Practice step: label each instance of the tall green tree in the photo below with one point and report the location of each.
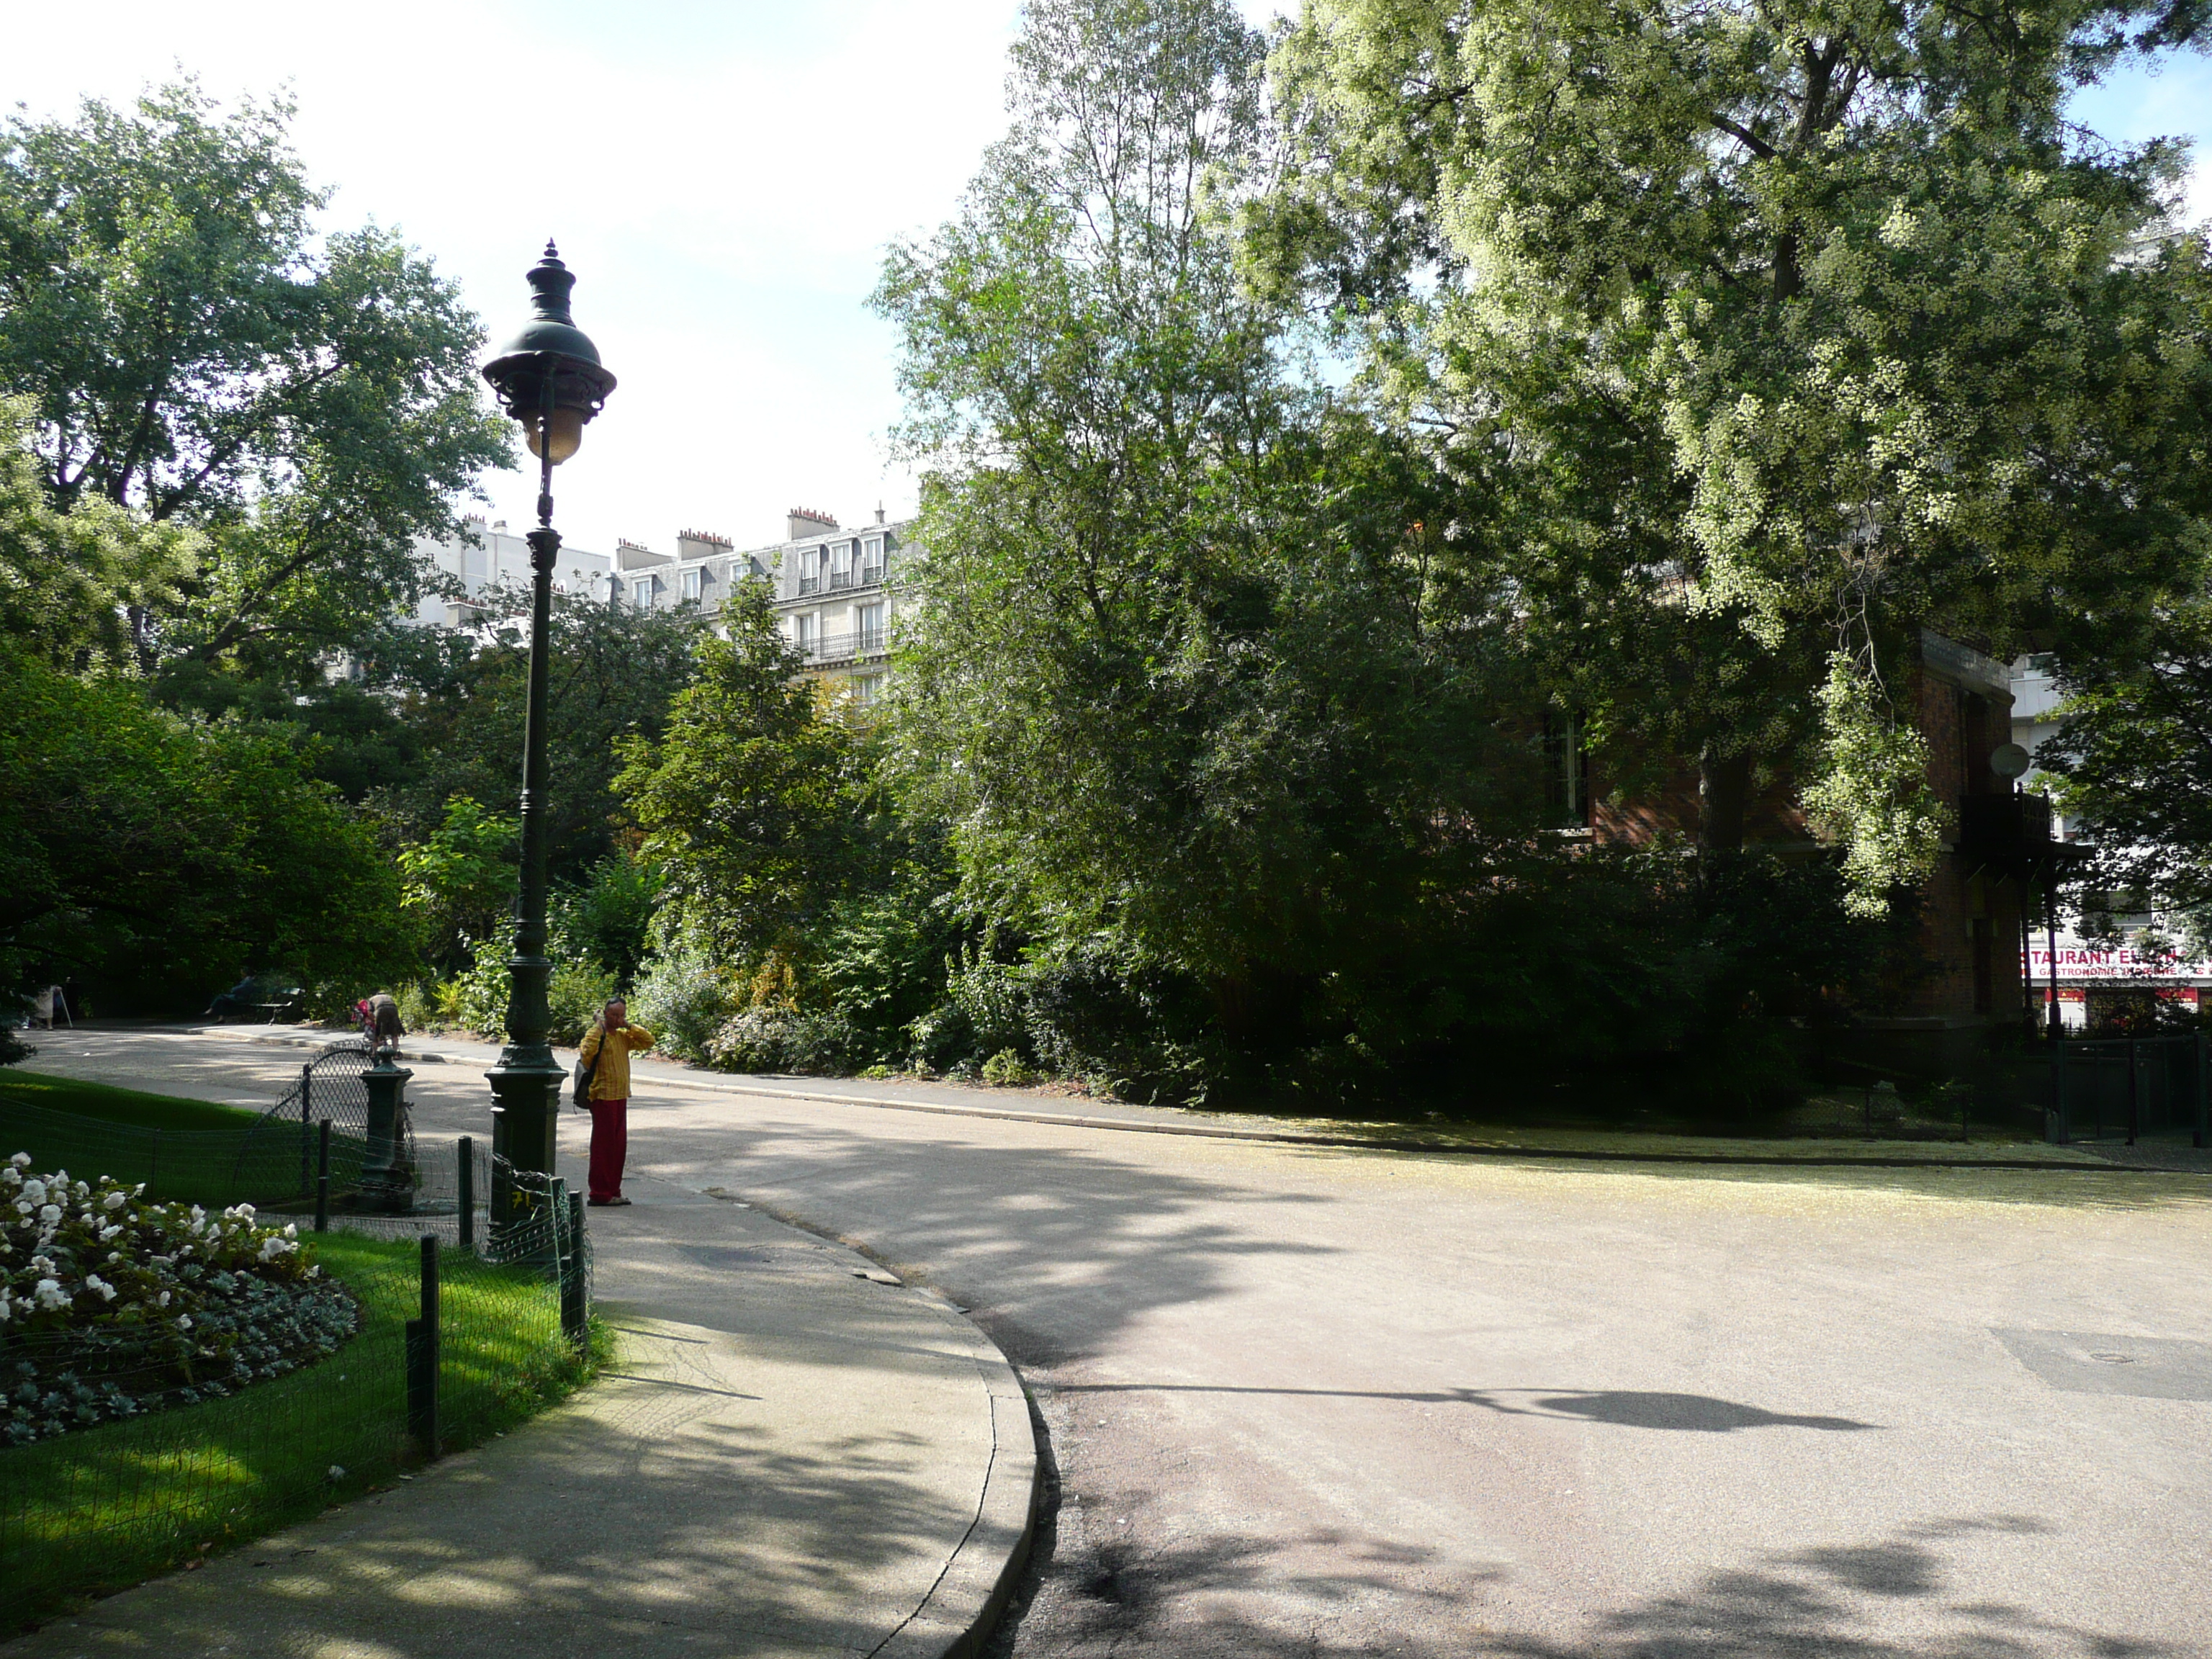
(153, 858)
(194, 352)
(457, 705)
(756, 802)
(1757, 338)
(1171, 672)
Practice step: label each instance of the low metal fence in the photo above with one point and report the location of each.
(2128, 1088)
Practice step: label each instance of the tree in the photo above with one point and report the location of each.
(67, 578)
(193, 352)
(460, 704)
(155, 859)
(2133, 755)
(754, 803)
(463, 877)
(1757, 338)
(1170, 674)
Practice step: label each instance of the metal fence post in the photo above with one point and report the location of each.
(323, 1176)
(422, 1357)
(2200, 1126)
(465, 1170)
(2061, 1128)
(2135, 1088)
(575, 1290)
(306, 1127)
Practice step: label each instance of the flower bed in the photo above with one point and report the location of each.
(111, 1306)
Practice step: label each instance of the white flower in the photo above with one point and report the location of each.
(94, 1282)
(50, 1213)
(337, 1474)
(115, 1200)
(48, 1292)
(20, 1161)
(80, 1190)
(183, 1322)
(161, 1301)
(35, 1191)
(107, 1233)
(24, 1206)
(272, 1247)
(291, 1231)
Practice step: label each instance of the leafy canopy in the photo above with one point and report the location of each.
(1757, 336)
(192, 350)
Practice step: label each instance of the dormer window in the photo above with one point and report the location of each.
(691, 583)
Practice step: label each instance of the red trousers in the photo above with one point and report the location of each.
(609, 1147)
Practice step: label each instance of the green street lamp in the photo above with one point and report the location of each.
(548, 377)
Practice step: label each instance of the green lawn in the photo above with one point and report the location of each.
(181, 1149)
(113, 1105)
(95, 1511)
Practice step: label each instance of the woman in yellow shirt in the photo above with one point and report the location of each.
(606, 1050)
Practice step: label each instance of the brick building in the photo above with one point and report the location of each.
(1987, 885)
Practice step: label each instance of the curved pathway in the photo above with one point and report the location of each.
(1314, 1402)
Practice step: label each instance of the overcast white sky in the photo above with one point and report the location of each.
(721, 174)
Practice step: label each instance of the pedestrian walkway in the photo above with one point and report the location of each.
(792, 1455)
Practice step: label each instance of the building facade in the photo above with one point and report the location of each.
(489, 557)
(1976, 906)
(831, 589)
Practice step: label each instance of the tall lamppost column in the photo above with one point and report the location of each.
(550, 379)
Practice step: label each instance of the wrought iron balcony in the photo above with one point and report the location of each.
(809, 585)
(844, 647)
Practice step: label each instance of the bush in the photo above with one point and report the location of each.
(1007, 1069)
(477, 996)
(419, 1007)
(683, 998)
(579, 990)
(772, 1039)
(608, 916)
(110, 1305)
(477, 999)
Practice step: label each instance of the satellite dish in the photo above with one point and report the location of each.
(2008, 759)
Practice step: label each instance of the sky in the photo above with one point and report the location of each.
(723, 176)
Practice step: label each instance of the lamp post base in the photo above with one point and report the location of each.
(387, 1185)
(526, 1088)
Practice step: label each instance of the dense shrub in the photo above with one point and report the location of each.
(683, 998)
(775, 1039)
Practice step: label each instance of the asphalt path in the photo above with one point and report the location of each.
(1329, 1402)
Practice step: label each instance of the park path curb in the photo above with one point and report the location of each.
(963, 1608)
(1346, 1143)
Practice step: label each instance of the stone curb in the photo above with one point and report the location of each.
(963, 1608)
(1352, 1143)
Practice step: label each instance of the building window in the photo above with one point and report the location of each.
(871, 619)
(872, 560)
(640, 592)
(841, 565)
(867, 687)
(691, 583)
(1566, 770)
(805, 636)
